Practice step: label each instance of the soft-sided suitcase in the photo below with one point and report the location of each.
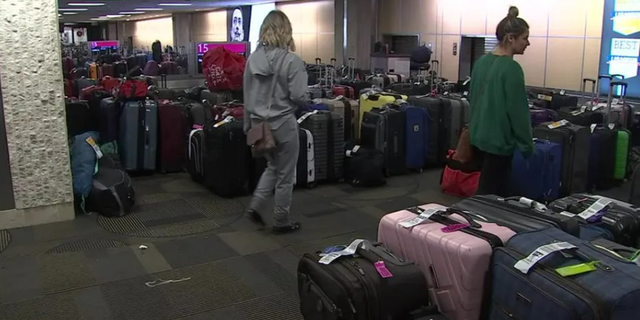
(327, 129)
(364, 167)
(579, 116)
(602, 155)
(370, 101)
(527, 291)
(519, 215)
(138, 139)
(538, 177)
(622, 154)
(110, 110)
(107, 70)
(345, 91)
(416, 136)
(306, 171)
(383, 130)
(215, 98)
(82, 83)
(620, 226)
(373, 284)
(454, 262)
(171, 139)
(225, 159)
(439, 132)
(410, 89)
(195, 155)
(112, 193)
(541, 115)
(575, 141)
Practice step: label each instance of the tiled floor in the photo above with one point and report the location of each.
(223, 267)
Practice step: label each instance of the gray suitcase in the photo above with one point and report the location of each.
(439, 123)
(327, 129)
(138, 139)
(460, 114)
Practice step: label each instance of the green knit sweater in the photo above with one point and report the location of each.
(500, 119)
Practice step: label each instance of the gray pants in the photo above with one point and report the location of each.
(280, 173)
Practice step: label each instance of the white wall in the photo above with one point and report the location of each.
(146, 32)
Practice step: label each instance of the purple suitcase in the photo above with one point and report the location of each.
(541, 115)
(454, 263)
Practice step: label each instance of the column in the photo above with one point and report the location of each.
(34, 113)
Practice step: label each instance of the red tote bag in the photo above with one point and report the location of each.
(223, 69)
(458, 180)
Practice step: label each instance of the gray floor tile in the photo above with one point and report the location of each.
(91, 304)
(251, 275)
(19, 279)
(114, 264)
(248, 242)
(194, 250)
(52, 307)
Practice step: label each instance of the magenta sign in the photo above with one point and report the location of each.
(239, 48)
(102, 44)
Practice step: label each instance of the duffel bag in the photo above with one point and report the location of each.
(364, 167)
(112, 193)
(133, 89)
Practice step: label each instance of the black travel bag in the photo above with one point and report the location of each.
(350, 287)
(364, 167)
(225, 159)
(439, 131)
(112, 193)
(383, 129)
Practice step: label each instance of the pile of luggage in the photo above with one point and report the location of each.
(484, 258)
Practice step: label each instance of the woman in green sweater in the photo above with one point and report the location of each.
(500, 120)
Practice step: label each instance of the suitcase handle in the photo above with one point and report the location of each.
(465, 215)
(374, 253)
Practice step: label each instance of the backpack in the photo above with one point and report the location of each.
(364, 167)
(112, 193)
(223, 69)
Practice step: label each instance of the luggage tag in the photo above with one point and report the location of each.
(423, 215)
(611, 126)
(527, 263)
(95, 147)
(535, 205)
(577, 269)
(382, 269)
(593, 127)
(545, 97)
(306, 115)
(454, 227)
(349, 153)
(558, 124)
(223, 122)
(577, 112)
(349, 251)
(595, 211)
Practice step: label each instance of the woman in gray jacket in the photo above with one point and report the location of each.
(274, 58)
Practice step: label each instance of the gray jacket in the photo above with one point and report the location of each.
(290, 90)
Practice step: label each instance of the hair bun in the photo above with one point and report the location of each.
(513, 12)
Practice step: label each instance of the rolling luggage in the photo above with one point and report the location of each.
(107, 70)
(575, 141)
(79, 118)
(171, 139)
(519, 215)
(620, 226)
(529, 274)
(138, 139)
(195, 155)
(344, 91)
(383, 129)
(370, 101)
(602, 155)
(453, 261)
(622, 155)
(94, 73)
(169, 67)
(216, 98)
(327, 129)
(410, 89)
(83, 83)
(540, 116)
(225, 159)
(373, 284)
(120, 69)
(306, 171)
(110, 110)
(439, 131)
(349, 110)
(538, 177)
(416, 136)
(364, 167)
(151, 68)
(460, 115)
(112, 193)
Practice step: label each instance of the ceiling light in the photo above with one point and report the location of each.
(131, 12)
(148, 9)
(115, 16)
(174, 4)
(85, 4)
(69, 13)
(73, 9)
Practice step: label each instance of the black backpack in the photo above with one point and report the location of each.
(112, 193)
(364, 167)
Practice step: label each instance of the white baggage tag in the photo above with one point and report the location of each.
(558, 124)
(615, 101)
(223, 122)
(545, 97)
(533, 204)
(577, 112)
(306, 115)
(527, 263)
(612, 125)
(348, 251)
(584, 108)
(340, 97)
(593, 127)
(424, 216)
(95, 147)
(595, 208)
(567, 214)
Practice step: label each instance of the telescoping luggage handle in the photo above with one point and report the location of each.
(623, 97)
(593, 90)
(352, 68)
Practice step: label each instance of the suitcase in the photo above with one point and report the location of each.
(538, 177)
(169, 67)
(110, 83)
(171, 139)
(439, 133)
(619, 226)
(107, 70)
(602, 155)
(364, 167)
(416, 136)
(79, 118)
(110, 110)
(151, 68)
(352, 287)
(616, 204)
(460, 116)
(327, 129)
(344, 91)
(120, 69)
(610, 291)
(195, 155)
(68, 88)
(112, 193)
(216, 98)
(517, 215)
(622, 154)
(575, 141)
(84, 94)
(93, 71)
(383, 129)
(349, 110)
(319, 92)
(138, 139)
(83, 83)
(454, 263)
(579, 116)
(225, 159)
(370, 101)
(410, 89)
(540, 116)
(306, 171)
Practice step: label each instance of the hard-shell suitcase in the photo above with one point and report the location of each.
(83, 83)
(195, 155)
(107, 71)
(373, 284)
(93, 71)
(439, 132)
(225, 159)
(460, 116)
(619, 226)
(519, 215)
(306, 171)
(370, 101)
(615, 204)
(416, 136)
(327, 129)
(349, 110)
(383, 129)
(345, 91)
(575, 141)
(110, 110)
(538, 177)
(454, 262)
(602, 155)
(580, 117)
(120, 69)
(171, 139)
(531, 286)
(138, 139)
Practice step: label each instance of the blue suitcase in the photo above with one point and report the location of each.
(417, 136)
(538, 177)
(610, 292)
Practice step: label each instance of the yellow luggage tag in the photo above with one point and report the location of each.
(577, 269)
(558, 124)
(96, 149)
(223, 122)
(545, 97)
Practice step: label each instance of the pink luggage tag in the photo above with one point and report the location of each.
(198, 127)
(454, 227)
(382, 270)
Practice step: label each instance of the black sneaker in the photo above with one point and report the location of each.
(255, 218)
(291, 227)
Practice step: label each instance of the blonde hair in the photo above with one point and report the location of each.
(276, 31)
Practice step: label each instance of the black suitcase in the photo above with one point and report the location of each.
(582, 118)
(79, 118)
(109, 125)
(622, 227)
(327, 129)
(602, 158)
(576, 142)
(351, 288)
(509, 212)
(383, 129)
(225, 159)
(112, 193)
(195, 155)
(364, 167)
(439, 131)
(410, 89)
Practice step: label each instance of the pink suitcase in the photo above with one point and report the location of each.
(454, 263)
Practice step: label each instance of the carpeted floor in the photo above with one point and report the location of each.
(202, 260)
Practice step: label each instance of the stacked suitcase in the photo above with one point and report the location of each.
(327, 129)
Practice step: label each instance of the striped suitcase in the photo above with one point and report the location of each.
(327, 129)
(349, 109)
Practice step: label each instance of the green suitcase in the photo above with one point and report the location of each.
(622, 152)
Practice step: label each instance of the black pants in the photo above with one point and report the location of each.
(496, 173)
